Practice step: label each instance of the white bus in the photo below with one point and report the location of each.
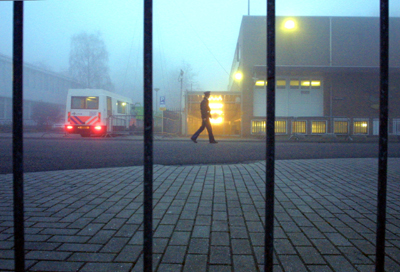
(96, 112)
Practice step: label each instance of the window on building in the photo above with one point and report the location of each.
(281, 84)
(294, 84)
(305, 84)
(85, 102)
(318, 127)
(280, 127)
(360, 127)
(258, 127)
(341, 127)
(299, 127)
(315, 84)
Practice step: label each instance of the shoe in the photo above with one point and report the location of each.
(193, 140)
(214, 142)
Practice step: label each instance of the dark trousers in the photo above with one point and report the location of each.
(205, 124)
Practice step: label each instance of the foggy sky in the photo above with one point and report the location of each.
(202, 34)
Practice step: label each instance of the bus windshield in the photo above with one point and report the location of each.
(85, 102)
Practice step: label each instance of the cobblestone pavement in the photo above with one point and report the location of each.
(206, 217)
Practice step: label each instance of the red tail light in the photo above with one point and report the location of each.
(97, 127)
(70, 127)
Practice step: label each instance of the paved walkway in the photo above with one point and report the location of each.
(206, 218)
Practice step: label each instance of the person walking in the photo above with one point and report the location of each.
(205, 122)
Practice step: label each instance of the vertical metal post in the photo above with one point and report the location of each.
(383, 135)
(18, 165)
(270, 156)
(148, 137)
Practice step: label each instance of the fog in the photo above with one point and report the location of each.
(196, 35)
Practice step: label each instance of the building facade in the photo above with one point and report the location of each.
(327, 75)
(39, 86)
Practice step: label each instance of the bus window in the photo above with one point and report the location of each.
(121, 107)
(83, 102)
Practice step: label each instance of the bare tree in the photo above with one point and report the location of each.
(88, 61)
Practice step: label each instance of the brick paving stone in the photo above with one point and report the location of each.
(199, 246)
(47, 255)
(292, 263)
(114, 245)
(106, 267)
(220, 255)
(340, 263)
(129, 254)
(174, 254)
(244, 263)
(220, 239)
(57, 266)
(196, 263)
(92, 257)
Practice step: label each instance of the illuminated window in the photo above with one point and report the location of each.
(294, 84)
(280, 127)
(305, 84)
(360, 127)
(258, 127)
(318, 127)
(299, 127)
(315, 84)
(260, 83)
(341, 127)
(281, 84)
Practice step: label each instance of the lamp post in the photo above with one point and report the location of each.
(156, 89)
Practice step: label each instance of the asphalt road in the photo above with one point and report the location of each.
(47, 154)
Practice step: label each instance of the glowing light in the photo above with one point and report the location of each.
(305, 83)
(289, 24)
(70, 127)
(219, 112)
(238, 76)
(216, 105)
(315, 83)
(97, 127)
(260, 83)
(123, 104)
(364, 125)
(215, 98)
(217, 120)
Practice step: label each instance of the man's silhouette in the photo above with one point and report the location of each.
(205, 123)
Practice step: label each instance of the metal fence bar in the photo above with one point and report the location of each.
(270, 141)
(148, 137)
(383, 135)
(18, 166)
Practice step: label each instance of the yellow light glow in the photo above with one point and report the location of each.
(238, 76)
(260, 83)
(216, 105)
(294, 83)
(123, 104)
(305, 83)
(217, 120)
(315, 83)
(215, 98)
(281, 82)
(289, 24)
(219, 112)
(364, 125)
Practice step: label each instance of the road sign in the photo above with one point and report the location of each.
(162, 101)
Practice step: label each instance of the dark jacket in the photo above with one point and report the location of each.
(205, 109)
